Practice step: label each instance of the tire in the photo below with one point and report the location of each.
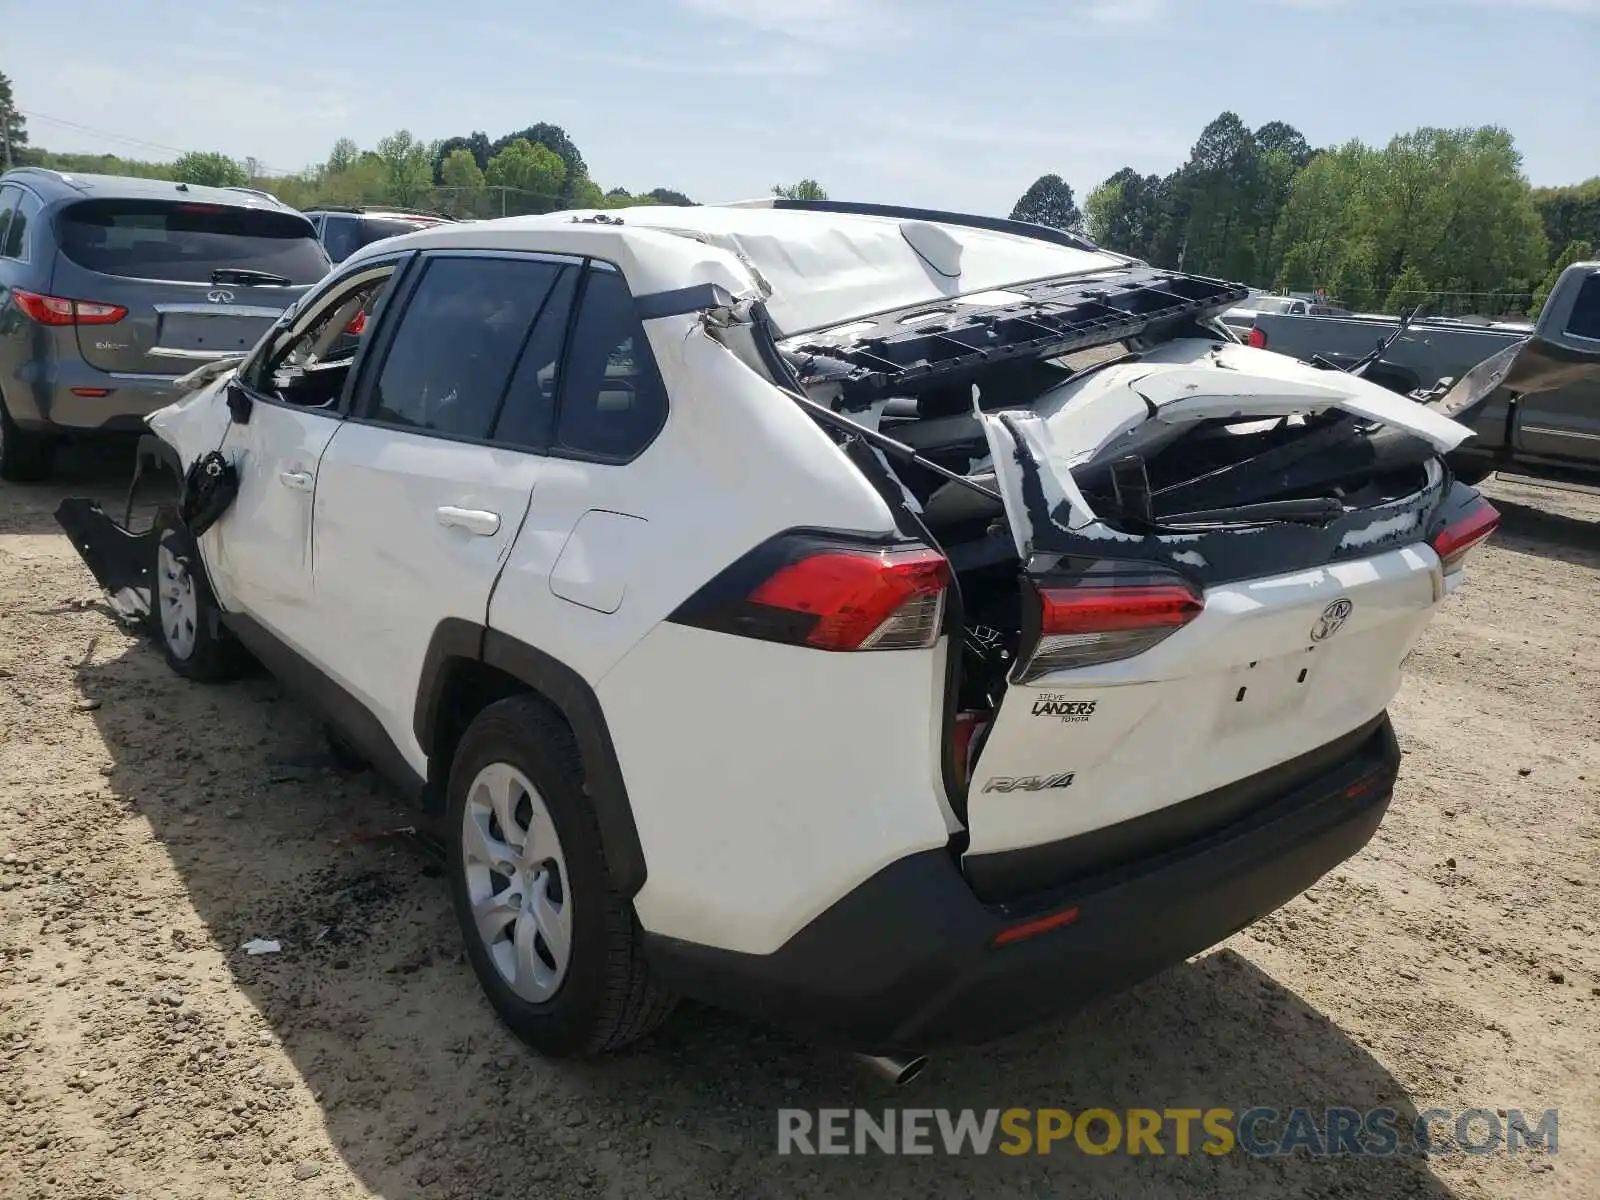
(519, 758)
(187, 616)
(24, 457)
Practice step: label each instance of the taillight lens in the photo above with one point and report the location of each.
(1083, 626)
(58, 310)
(809, 592)
(1460, 538)
(863, 600)
(357, 324)
(1257, 338)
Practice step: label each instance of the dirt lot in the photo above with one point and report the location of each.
(148, 828)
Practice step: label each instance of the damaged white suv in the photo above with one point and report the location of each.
(897, 626)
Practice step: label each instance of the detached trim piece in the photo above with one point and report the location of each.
(954, 342)
(681, 301)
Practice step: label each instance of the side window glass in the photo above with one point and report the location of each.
(462, 332)
(529, 407)
(311, 368)
(8, 202)
(340, 237)
(15, 242)
(613, 402)
(1585, 319)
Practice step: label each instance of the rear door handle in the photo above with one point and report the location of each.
(300, 481)
(473, 520)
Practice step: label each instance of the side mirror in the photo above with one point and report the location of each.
(239, 403)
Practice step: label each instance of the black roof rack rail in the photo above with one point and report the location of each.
(1058, 317)
(1027, 229)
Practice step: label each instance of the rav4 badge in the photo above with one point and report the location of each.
(1030, 783)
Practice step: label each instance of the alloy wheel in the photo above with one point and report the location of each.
(516, 876)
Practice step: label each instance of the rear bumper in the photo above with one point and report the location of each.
(907, 960)
(41, 400)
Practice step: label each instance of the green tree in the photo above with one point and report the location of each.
(806, 189)
(1049, 201)
(586, 193)
(476, 144)
(343, 156)
(1570, 214)
(1276, 135)
(1410, 290)
(667, 196)
(210, 170)
(1579, 251)
(528, 168)
(554, 139)
(13, 128)
(407, 167)
(460, 170)
(1124, 213)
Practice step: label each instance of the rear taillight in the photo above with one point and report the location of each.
(1257, 338)
(58, 310)
(806, 591)
(357, 324)
(1086, 625)
(1461, 537)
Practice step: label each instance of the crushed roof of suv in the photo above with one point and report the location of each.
(819, 267)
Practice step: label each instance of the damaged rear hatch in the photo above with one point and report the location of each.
(1198, 560)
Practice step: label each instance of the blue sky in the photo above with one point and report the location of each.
(900, 101)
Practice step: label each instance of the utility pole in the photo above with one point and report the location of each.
(5, 130)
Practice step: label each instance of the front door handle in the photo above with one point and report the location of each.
(300, 481)
(473, 520)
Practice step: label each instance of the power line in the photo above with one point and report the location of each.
(143, 143)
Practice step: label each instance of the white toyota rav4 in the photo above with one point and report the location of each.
(897, 626)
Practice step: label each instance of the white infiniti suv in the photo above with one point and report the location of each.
(897, 626)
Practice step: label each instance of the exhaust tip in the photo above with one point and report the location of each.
(896, 1071)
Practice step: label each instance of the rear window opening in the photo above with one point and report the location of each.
(184, 242)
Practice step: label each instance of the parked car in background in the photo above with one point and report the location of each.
(1241, 318)
(345, 230)
(1534, 406)
(111, 288)
(778, 621)
(1430, 349)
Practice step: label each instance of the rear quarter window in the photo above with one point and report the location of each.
(185, 243)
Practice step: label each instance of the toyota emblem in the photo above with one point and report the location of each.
(1332, 620)
(220, 296)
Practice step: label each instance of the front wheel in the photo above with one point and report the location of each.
(554, 946)
(193, 639)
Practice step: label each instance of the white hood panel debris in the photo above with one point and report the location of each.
(1132, 406)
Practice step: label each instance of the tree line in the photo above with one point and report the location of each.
(1442, 217)
(1439, 217)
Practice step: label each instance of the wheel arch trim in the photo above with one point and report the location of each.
(455, 640)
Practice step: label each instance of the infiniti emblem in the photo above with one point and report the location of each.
(1332, 620)
(220, 296)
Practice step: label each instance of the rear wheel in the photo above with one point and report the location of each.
(24, 457)
(554, 945)
(192, 636)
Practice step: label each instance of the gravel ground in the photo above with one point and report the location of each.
(149, 827)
